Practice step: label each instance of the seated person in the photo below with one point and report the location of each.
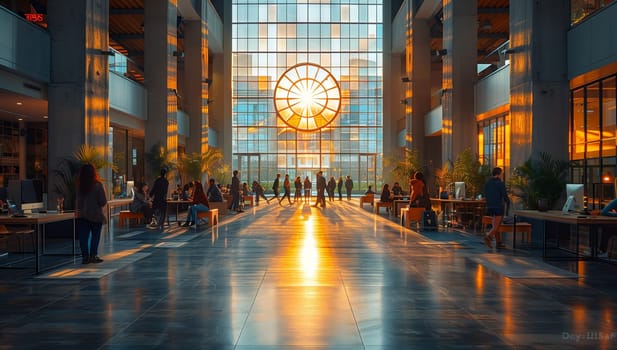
(370, 190)
(200, 204)
(386, 195)
(246, 190)
(608, 231)
(142, 202)
(397, 190)
(214, 192)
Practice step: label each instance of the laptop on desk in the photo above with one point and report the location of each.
(14, 211)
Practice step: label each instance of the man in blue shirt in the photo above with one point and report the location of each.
(496, 199)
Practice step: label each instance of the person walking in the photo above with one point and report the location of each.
(496, 199)
(298, 186)
(348, 186)
(321, 188)
(287, 189)
(276, 186)
(91, 199)
(158, 193)
(259, 192)
(339, 186)
(235, 193)
(308, 186)
(330, 187)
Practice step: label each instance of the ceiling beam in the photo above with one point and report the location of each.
(123, 36)
(492, 10)
(124, 11)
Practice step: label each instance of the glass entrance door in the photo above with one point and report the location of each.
(367, 166)
(249, 167)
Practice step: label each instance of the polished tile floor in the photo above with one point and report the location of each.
(300, 277)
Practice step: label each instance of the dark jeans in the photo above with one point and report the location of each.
(160, 213)
(88, 232)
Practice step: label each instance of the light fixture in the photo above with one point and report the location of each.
(438, 53)
(19, 103)
(607, 177)
(45, 117)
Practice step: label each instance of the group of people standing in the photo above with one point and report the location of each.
(305, 187)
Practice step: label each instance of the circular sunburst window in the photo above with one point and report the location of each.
(307, 97)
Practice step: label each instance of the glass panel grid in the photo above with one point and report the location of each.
(345, 38)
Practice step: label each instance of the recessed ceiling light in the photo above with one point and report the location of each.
(20, 118)
(19, 103)
(45, 117)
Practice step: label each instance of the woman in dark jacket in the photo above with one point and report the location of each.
(142, 202)
(90, 217)
(200, 204)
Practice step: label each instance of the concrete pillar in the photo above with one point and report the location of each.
(392, 110)
(538, 79)
(459, 75)
(161, 72)
(79, 89)
(225, 134)
(196, 84)
(420, 81)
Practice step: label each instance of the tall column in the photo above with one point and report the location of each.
(460, 24)
(538, 78)
(420, 80)
(392, 112)
(196, 84)
(161, 72)
(225, 134)
(79, 88)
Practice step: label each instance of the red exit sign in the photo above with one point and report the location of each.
(35, 17)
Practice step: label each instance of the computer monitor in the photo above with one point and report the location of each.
(130, 189)
(26, 194)
(459, 190)
(574, 198)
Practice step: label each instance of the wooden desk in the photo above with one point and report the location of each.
(111, 204)
(38, 221)
(473, 207)
(177, 203)
(593, 222)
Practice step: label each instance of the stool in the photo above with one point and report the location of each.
(368, 198)
(248, 198)
(212, 215)
(20, 234)
(127, 215)
(409, 215)
(380, 204)
(522, 227)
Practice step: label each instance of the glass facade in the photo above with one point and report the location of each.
(343, 37)
(593, 137)
(493, 142)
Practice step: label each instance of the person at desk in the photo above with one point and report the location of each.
(386, 196)
(397, 190)
(496, 199)
(608, 231)
(142, 203)
(91, 199)
(418, 193)
(214, 192)
(200, 204)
